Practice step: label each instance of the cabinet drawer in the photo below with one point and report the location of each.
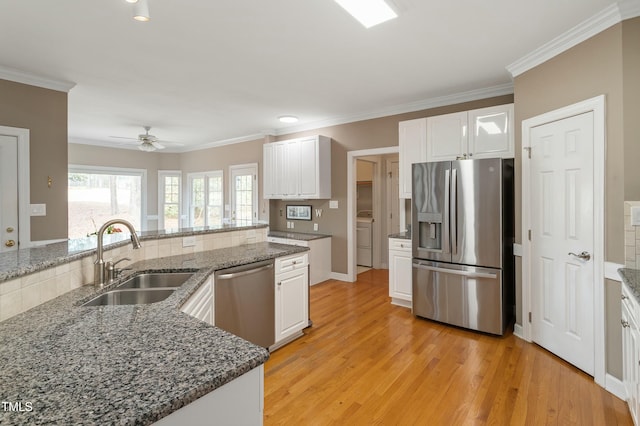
(400, 244)
(291, 263)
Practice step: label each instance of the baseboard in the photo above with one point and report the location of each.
(401, 302)
(517, 331)
(340, 277)
(615, 386)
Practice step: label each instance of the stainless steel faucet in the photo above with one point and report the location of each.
(99, 273)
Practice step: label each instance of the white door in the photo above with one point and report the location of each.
(8, 193)
(562, 240)
(244, 192)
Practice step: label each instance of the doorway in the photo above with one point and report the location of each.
(563, 234)
(378, 227)
(15, 223)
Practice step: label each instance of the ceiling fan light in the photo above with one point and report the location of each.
(147, 147)
(141, 11)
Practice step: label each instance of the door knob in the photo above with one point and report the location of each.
(9, 229)
(584, 255)
(10, 243)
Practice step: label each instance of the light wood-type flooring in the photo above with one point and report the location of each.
(367, 362)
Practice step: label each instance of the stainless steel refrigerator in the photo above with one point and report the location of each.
(462, 239)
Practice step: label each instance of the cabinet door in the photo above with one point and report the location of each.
(400, 275)
(290, 178)
(292, 313)
(269, 170)
(491, 132)
(308, 174)
(447, 136)
(412, 144)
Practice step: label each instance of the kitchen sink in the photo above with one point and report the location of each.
(137, 296)
(157, 280)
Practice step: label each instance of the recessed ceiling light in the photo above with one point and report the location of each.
(288, 118)
(131, 1)
(368, 12)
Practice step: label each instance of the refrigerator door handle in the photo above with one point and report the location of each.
(446, 219)
(456, 272)
(454, 211)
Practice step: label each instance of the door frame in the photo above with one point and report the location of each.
(352, 156)
(24, 178)
(597, 106)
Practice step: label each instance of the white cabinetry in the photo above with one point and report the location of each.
(201, 304)
(479, 133)
(319, 256)
(400, 273)
(292, 297)
(297, 168)
(412, 141)
(631, 351)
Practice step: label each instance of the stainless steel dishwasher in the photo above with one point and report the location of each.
(245, 302)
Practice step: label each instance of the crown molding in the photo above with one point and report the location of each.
(224, 142)
(456, 98)
(35, 80)
(613, 14)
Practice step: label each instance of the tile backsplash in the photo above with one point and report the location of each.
(631, 238)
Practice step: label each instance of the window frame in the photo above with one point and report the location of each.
(189, 206)
(162, 174)
(123, 171)
(255, 189)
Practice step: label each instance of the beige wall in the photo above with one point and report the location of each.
(152, 162)
(44, 113)
(367, 134)
(608, 64)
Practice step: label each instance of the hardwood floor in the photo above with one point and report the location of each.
(367, 362)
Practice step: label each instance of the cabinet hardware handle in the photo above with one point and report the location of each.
(279, 282)
(625, 324)
(10, 243)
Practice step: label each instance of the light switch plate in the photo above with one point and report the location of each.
(38, 209)
(635, 216)
(333, 204)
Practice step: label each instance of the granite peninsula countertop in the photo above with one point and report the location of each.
(29, 260)
(131, 364)
(631, 277)
(302, 236)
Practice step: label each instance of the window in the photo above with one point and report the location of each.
(244, 192)
(205, 199)
(99, 194)
(169, 199)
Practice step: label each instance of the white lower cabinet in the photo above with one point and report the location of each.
(292, 297)
(239, 402)
(631, 351)
(201, 304)
(319, 256)
(400, 273)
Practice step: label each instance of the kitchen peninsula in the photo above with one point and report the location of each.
(138, 364)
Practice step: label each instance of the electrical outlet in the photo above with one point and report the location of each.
(635, 216)
(315, 226)
(189, 241)
(293, 225)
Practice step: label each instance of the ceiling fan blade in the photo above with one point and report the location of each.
(123, 137)
(157, 145)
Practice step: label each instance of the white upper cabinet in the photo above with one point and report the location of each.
(298, 168)
(491, 132)
(479, 133)
(446, 136)
(412, 140)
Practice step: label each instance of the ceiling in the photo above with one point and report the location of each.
(205, 72)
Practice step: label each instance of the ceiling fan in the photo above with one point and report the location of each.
(148, 142)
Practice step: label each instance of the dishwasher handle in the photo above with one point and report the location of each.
(242, 271)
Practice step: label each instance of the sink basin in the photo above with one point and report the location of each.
(157, 280)
(137, 296)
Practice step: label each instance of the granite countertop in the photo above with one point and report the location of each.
(631, 277)
(25, 261)
(297, 235)
(401, 235)
(131, 364)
